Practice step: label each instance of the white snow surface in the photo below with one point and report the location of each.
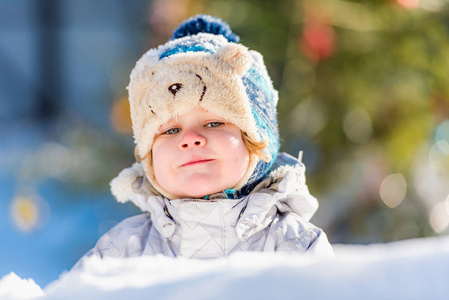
(412, 269)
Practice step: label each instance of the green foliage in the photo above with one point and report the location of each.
(363, 89)
(388, 68)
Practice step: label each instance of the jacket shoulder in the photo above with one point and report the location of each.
(126, 238)
(120, 241)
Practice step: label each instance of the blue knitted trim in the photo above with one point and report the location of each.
(261, 98)
(231, 193)
(184, 49)
(258, 80)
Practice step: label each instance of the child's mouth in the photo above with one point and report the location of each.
(195, 162)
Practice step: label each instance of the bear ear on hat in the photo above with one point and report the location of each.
(236, 56)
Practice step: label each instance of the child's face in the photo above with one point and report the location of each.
(198, 154)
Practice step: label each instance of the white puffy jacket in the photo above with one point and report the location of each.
(274, 217)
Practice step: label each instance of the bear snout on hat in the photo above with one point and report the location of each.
(176, 88)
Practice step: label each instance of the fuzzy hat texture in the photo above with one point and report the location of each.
(203, 66)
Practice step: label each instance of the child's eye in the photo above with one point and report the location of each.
(172, 131)
(213, 124)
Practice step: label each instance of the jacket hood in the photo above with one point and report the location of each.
(283, 190)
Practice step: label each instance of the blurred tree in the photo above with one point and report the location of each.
(363, 87)
(363, 92)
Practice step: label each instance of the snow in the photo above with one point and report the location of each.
(412, 269)
(13, 287)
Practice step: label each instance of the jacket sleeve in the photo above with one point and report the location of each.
(319, 246)
(296, 235)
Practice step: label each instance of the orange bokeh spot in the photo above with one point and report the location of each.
(121, 117)
(25, 213)
(317, 41)
(409, 3)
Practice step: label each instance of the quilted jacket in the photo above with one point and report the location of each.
(274, 217)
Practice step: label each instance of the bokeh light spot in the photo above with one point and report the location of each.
(308, 118)
(393, 190)
(439, 157)
(318, 40)
(409, 3)
(439, 216)
(433, 5)
(357, 126)
(24, 213)
(299, 76)
(442, 134)
(447, 203)
(120, 116)
(29, 212)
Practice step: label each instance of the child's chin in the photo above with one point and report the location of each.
(201, 185)
(201, 193)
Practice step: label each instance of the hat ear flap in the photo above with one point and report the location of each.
(236, 56)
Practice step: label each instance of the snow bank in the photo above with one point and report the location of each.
(414, 269)
(13, 287)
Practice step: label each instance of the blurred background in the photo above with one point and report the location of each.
(363, 88)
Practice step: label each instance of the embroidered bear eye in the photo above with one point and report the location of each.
(174, 88)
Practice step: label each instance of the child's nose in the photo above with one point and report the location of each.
(192, 139)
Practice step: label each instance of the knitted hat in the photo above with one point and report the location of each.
(202, 66)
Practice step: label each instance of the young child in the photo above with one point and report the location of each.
(209, 177)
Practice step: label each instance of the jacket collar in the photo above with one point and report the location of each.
(283, 190)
